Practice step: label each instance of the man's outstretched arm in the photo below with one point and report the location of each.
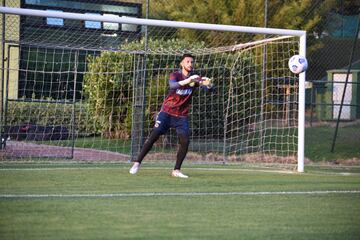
(175, 85)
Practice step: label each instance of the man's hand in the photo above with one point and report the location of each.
(207, 82)
(194, 78)
(190, 80)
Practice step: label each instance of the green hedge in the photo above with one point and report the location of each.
(50, 114)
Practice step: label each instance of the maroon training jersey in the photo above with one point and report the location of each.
(177, 102)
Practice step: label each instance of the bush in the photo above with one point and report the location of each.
(50, 114)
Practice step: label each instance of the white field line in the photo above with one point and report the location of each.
(170, 194)
(189, 168)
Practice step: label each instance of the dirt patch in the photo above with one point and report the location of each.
(332, 123)
(31, 150)
(348, 162)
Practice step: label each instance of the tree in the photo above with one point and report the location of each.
(289, 14)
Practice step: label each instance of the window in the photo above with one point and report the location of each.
(83, 5)
(110, 25)
(55, 21)
(110, 8)
(129, 27)
(93, 24)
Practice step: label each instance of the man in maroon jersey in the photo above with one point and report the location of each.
(174, 112)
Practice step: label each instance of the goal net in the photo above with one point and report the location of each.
(87, 87)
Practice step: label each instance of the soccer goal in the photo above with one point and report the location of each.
(88, 87)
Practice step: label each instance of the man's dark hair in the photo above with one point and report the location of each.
(186, 55)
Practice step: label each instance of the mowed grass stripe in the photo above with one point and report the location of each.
(170, 194)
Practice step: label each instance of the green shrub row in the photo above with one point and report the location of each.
(50, 113)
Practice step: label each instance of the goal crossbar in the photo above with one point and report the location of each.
(150, 22)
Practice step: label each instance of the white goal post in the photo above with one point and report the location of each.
(198, 26)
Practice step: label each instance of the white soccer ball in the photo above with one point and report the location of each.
(298, 64)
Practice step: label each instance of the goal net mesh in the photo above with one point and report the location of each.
(88, 90)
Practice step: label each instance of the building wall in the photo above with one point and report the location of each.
(11, 54)
(328, 92)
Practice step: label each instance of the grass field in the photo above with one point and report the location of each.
(318, 141)
(216, 202)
